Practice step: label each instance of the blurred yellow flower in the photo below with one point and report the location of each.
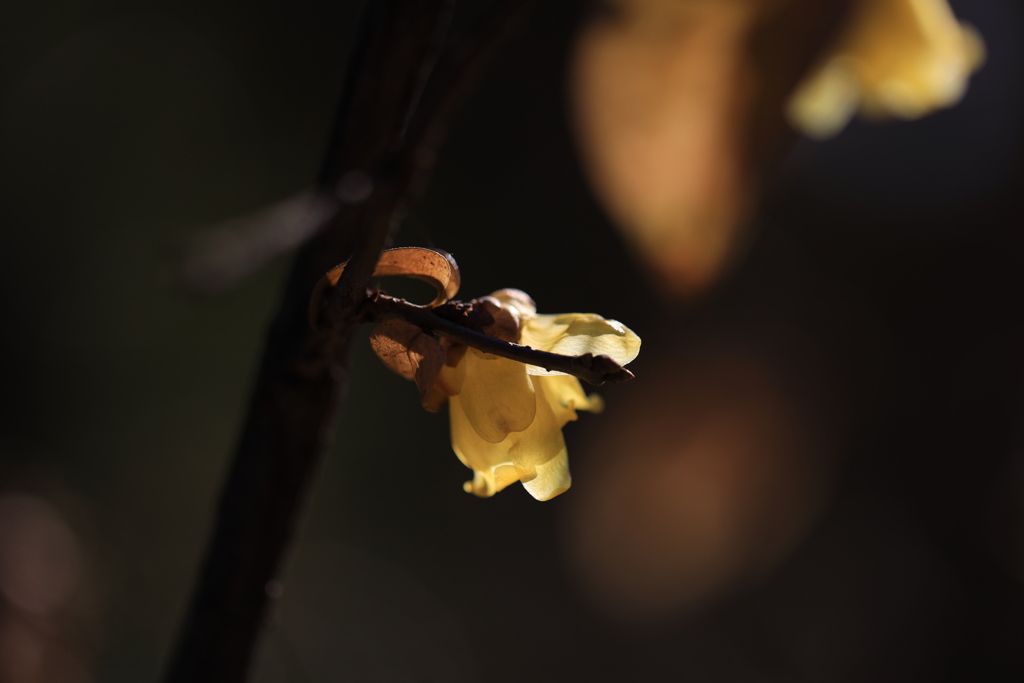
(507, 417)
(901, 58)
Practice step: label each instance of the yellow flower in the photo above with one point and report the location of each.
(902, 58)
(507, 417)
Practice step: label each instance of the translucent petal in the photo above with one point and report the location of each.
(450, 379)
(506, 425)
(539, 445)
(537, 455)
(574, 334)
(552, 478)
(496, 395)
(486, 485)
(490, 461)
(565, 395)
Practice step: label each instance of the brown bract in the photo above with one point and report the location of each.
(437, 268)
(406, 350)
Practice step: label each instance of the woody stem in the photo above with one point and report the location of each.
(596, 370)
(302, 377)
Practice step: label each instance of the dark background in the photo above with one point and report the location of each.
(880, 297)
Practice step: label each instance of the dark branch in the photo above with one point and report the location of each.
(593, 369)
(302, 378)
(386, 120)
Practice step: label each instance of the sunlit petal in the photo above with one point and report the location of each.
(551, 478)
(497, 396)
(565, 395)
(533, 450)
(490, 461)
(537, 455)
(574, 334)
(506, 417)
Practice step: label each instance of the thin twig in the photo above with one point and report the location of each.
(593, 369)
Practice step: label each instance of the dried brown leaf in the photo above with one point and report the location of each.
(411, 353)
(435, 267)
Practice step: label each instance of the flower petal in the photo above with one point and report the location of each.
(486, 485)
(497, 396)
(536, 452)
(565, 395)
(537, 455)
(551, 478)
(574, 334)
(490, 461)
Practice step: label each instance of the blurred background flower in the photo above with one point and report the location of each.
(904, 58)
(682, 106)
(679, 112)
